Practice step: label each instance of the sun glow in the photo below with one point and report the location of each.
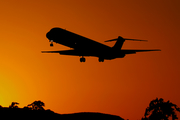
(8, 90)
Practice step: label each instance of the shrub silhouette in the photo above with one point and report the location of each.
(14, 105)
(160, 110)
(37, 105)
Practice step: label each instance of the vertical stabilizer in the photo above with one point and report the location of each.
(119, 43)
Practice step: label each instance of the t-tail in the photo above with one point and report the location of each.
(119, 42)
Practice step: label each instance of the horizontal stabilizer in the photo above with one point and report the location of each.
(121, 38)
(125, 39)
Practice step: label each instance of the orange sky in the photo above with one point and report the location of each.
(121, 87)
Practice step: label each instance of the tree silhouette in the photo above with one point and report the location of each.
(37, 105)
(14, 105)
(160, 110)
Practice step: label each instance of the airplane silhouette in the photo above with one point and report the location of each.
(83, 46)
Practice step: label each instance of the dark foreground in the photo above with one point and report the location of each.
(24, 114)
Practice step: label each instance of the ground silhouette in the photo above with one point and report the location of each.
(158, 110)
(36, 111)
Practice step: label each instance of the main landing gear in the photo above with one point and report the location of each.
(82, 59)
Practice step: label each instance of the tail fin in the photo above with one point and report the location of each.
(119, 43)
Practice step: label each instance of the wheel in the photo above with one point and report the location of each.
(51, 44)
(82, 59)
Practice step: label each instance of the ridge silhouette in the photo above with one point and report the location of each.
(158, 110)
(22, 113)
(36, 111)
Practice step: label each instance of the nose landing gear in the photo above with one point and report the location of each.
(82, 59)
(51, 43)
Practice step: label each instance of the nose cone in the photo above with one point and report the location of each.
(54, 33)
(49, 36)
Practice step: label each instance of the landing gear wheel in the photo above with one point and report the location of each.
(82, 59)
(51, 44)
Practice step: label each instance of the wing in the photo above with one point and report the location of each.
(73, 52)
(134, 51)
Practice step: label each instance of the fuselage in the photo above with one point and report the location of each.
(82, 45)
(72, 40)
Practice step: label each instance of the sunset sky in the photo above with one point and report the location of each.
(122, 87)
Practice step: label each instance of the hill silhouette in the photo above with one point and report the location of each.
(158, 110)
(36, 111)
(27, 114)
(90, 116)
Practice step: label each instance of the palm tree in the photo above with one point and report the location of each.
(37, 105)
(160, 110)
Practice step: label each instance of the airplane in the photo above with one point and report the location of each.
(85, 47)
